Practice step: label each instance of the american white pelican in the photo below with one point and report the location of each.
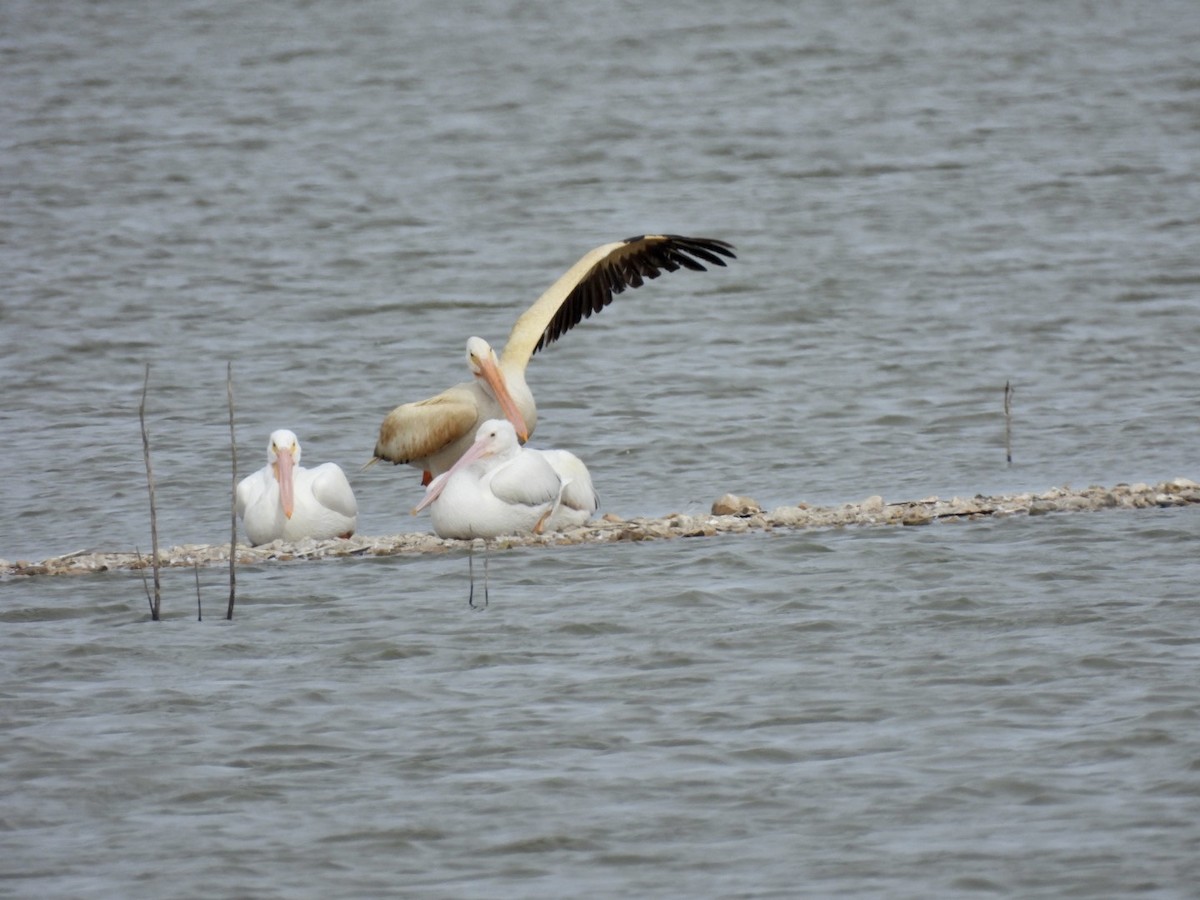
(431, 434)
(499, 487)
(285, 500)
(496, 487)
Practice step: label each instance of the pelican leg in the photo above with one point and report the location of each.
(471, 569)
(541, 522)
(485, 574)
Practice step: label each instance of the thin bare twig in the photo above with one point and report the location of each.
(156, 605)
(1008, 394)
(199, 609)
(233, 503)
(145, 583)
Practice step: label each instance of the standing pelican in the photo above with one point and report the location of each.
(499, 487)
(285, 500)
(431, 434)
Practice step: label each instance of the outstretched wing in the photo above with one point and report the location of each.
(590, 284)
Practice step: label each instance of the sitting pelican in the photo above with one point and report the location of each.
(285, 500)
(499, 487)
(431, 434)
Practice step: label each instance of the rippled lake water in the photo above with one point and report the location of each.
(927, 203)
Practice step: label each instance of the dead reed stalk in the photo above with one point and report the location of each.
(233, 502)
(1008, 394)
(156, 603)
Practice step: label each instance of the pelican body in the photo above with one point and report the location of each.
(499, 487)
(285, 500)
(432, 434)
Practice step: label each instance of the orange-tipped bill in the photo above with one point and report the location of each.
(495, 380)
(283, 474)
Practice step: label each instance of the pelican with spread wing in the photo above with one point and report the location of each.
(432, 434)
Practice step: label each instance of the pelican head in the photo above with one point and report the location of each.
(485, 366)
(283, 454)
(495, 437)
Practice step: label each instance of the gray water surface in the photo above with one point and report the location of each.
(926, 202)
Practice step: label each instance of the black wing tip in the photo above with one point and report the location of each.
(628, 270)
(709, 249)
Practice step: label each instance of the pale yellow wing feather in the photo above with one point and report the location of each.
(419, 430)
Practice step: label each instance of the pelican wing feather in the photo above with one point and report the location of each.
(590, 285)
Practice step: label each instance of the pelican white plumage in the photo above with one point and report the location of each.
(579, 499)
(285, 500)
(431, 434)
(499, 487)
(496, 487)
